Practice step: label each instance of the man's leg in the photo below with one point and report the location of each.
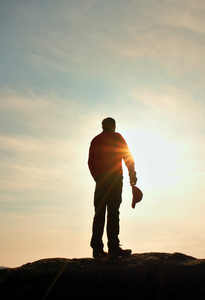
(113, 227)
(113, 230)
(99, 219)
(113, 205)
(98, 228)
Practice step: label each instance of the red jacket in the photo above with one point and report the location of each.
(106, 153)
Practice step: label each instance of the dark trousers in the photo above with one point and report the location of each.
(107, 197)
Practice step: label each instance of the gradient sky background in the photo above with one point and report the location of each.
(66, 65)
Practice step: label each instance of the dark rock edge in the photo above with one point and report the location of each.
(141, 276)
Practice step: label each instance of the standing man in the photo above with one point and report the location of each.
(105, 163)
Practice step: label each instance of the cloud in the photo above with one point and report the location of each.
(111, 42)
(48, 152)
(42, 115)
(31, 164)
(173, 105)
(188, 16)
(168, 35)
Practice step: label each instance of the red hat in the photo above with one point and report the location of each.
(137, 195)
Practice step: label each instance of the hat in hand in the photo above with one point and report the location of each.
(136, 195)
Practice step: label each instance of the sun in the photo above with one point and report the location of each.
(155, 157)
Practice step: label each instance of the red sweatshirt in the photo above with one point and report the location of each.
(106, 153)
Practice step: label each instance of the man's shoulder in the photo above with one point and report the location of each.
(97, 137)
(107, 135)
(118, 135)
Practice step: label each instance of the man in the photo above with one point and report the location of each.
(105, 163)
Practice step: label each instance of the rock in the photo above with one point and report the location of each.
(151, 276)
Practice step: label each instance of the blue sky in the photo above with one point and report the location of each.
(65, 65)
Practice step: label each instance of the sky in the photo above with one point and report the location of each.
(65, 66)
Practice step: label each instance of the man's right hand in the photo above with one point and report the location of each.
(133, 178)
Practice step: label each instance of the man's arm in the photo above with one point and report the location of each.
(129, 162)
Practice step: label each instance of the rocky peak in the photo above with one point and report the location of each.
(151, 276)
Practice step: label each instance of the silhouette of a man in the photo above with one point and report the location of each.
(105, 163)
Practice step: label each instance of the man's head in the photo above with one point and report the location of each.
(108, 124)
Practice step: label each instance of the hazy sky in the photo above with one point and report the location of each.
(65, 65)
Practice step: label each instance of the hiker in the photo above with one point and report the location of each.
(105, 163)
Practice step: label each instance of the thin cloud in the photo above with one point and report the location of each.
(91, 49)
(42, 115)
(172, 104)
(188, 16)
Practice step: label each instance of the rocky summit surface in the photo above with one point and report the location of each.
(151, 276)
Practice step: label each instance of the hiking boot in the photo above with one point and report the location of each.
(119, 252)
(99, 254)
